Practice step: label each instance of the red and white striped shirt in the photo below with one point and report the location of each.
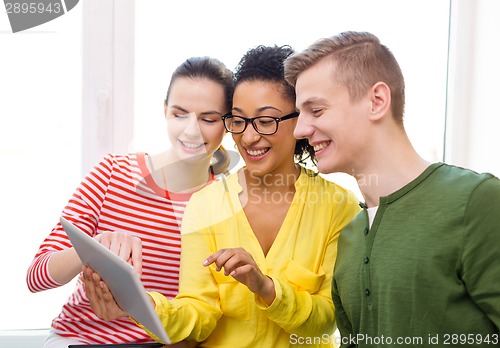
(118, 194)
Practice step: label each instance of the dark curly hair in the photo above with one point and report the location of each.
(265, 63)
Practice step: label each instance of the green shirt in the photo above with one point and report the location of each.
(427, 273)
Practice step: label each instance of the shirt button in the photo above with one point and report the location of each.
(366, 231)
(367, 259)
(367, 292)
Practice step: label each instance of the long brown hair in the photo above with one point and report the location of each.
(214, 70)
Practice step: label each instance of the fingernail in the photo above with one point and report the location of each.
(205, 262)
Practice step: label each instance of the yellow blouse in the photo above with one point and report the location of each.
(222, 312)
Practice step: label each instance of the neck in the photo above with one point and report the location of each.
(388, 167)
(282, 181)
(180, 176)
(273, 189)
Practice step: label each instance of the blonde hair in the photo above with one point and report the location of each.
(361, 61)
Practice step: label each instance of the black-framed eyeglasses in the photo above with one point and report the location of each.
(265, 125)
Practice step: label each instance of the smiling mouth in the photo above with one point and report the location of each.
(321, 146)
(192, 146)
(256, 153)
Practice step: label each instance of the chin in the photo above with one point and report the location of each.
(326, 168)
(191, 157)
(256, 172)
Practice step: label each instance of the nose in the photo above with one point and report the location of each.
(250, 135)
(303, 127)
(192, 130)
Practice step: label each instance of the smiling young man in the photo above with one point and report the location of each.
(419, 265)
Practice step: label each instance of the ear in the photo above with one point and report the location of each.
(165, 107)
(380, 97)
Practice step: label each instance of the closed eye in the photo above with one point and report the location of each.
(208, 120)
(317, 112)
(265, 122)
(237, 122)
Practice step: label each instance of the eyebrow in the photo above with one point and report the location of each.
(313, 100)
(261, 109)
(203, 113)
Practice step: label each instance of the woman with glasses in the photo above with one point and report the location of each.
(133, 204)
(258, 248)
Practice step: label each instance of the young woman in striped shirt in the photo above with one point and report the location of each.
(133, 204)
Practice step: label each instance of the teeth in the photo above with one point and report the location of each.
(257, 152)
(321, 146)
(191, 146)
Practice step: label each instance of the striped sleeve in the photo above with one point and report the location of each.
(83, 210)
(118, 194)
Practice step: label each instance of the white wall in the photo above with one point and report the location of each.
(473, 113)
(485, 130)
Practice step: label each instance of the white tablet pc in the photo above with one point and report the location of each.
(120, 277)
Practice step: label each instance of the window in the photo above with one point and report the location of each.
(45, 71)
(40, 152)
(169, 32)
